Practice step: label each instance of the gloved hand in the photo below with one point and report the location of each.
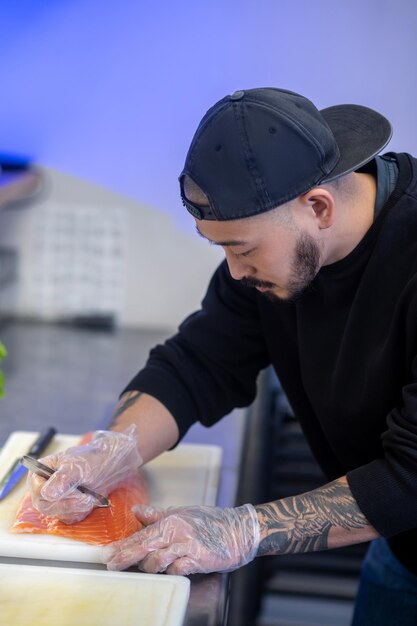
(100, 465)
(188, 540)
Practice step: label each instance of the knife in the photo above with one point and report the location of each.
(18, 470)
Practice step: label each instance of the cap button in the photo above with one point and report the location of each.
(238, 95)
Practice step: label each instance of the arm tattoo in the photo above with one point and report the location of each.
(127, 400)
(302, 523)
(215, 527)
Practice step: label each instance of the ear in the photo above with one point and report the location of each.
(322, 203)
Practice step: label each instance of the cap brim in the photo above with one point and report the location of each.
(361, 133)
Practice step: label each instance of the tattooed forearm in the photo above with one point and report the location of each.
(156, 429)
(126, 401)
(327, 517)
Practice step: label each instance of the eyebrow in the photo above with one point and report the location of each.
(229, 242)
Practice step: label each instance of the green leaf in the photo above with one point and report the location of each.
(2, 383)
(3, 351)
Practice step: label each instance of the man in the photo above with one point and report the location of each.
(320, 238)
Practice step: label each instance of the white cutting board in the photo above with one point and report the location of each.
(33, 595)
(189, 474)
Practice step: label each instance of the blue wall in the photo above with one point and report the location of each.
(112, 92)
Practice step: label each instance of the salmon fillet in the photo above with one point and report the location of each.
(101, 526)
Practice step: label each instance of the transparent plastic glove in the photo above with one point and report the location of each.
(188, 540)
(100, 465)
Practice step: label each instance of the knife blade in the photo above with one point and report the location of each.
(17, 471)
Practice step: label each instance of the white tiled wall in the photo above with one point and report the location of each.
(83, 249)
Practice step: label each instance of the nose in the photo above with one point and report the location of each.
(238, 267)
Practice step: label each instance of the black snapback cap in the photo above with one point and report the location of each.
(260, 148)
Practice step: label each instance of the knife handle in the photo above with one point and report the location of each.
(41, 442)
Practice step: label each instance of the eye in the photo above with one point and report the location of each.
(245, 254)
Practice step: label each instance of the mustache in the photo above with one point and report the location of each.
(254, 282)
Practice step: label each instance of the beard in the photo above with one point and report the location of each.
(304, 268)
